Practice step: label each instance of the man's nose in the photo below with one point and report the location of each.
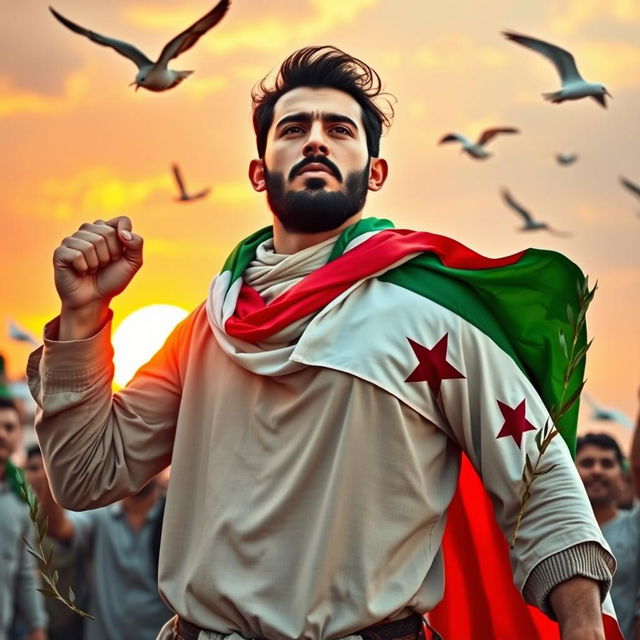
(316, 143)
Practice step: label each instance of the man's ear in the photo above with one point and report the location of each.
(256, 174)
(378, 172)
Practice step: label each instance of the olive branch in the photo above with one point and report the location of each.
(45, 559)
(575, 357)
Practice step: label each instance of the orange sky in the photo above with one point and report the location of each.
(78, 144)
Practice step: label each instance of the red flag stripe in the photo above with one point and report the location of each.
(477, 568)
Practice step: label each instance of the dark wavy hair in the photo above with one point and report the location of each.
(601, 440)
(323, 66)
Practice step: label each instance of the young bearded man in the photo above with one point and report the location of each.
(599, 459)
(315, 406)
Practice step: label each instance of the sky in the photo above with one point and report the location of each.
(78, 144)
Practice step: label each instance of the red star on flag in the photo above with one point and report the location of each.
(515, 422)
(432, 367)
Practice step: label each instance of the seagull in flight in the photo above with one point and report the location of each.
(155, 76)
(574, 86)
(476, 150)
(184, 196)
(529, 223)
(613, 415)
(631, 186)
(20, 335)
(566, 158)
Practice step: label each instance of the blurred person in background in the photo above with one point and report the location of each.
(19, 599)
(64, 624)
(123, 541)
(599, 461)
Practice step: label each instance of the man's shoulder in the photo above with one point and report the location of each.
(626, 520)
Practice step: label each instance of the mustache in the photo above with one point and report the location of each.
(315, 160)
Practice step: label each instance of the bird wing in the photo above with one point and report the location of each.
(453, 137)
(563, 61)
(123, 48)
(634, 188)
(592, 403)
(178, 176)
(487, 134)
(566, 158)
(200, 194)
(16, 333)
(190, 36)
(555, 232)
(508, 198)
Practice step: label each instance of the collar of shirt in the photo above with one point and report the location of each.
(116, 510)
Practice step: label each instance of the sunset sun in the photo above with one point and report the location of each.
(140, 335)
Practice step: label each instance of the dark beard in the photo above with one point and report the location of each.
(313, 209)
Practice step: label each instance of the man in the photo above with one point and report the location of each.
(122, 543)
(312, 460)
(18, 583)
(599, 460)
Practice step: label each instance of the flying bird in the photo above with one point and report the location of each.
(634, 188)
(631, 186)
(477, 150)
(574, 86)
(613, 415)
(529, 223)
(184, 196)
(20, 335)
(566, 158)
(155, 76)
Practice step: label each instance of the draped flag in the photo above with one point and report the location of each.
(517, 308)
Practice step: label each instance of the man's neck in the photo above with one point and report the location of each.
(139, 506)
(3, 470)
(287, 242)
(605, 513)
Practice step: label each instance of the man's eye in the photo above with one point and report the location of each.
(292, 129)
(341, 130)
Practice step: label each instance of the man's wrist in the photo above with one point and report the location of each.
(83, 322)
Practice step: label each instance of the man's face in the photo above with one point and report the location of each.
(316, 163)
(10, 430)
(600, 473)
(34, 470)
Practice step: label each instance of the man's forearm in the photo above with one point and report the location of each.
(576, 604)
(59, 525)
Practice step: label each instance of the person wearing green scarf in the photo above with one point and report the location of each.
(18, 581)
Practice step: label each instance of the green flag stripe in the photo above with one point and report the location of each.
(522, 308)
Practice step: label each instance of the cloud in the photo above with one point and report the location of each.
(98, 190)
(576, 14)
(19, 101)
(235, 193)
(452, 52)
(205, 86)
(270, 33)
(614, 64)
